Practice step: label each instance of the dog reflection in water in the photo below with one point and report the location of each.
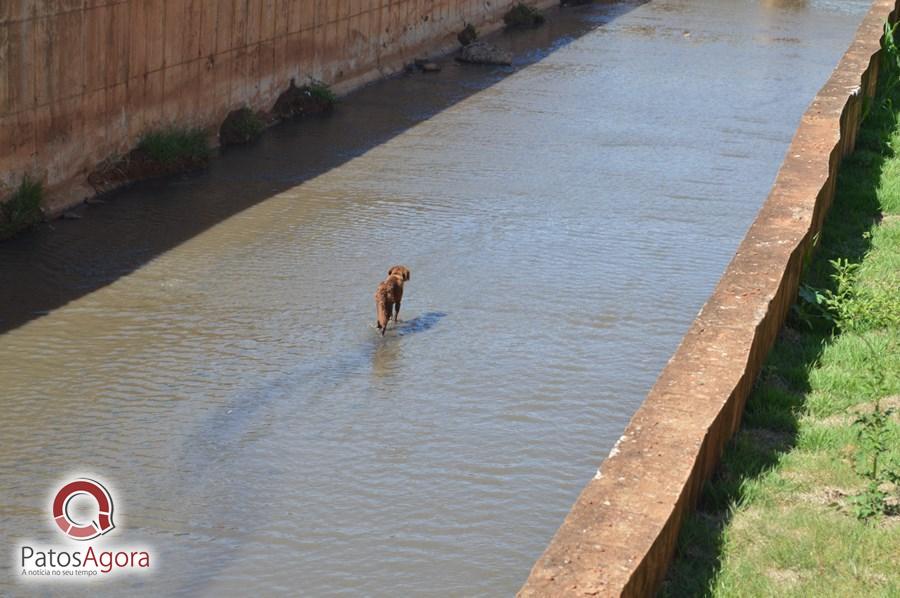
(388, 297)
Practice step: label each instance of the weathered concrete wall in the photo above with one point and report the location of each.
(620, 535)
(81, 80)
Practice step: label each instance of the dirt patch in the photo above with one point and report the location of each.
(784, 577)
(891, 403)
(827, 496)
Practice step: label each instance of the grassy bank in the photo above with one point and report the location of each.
(805, 502)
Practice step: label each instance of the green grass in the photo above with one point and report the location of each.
(796, 507)
(241, 126)
(320, 91)
(22, 209)
(171, 145)
(468, 35)
(522, 16)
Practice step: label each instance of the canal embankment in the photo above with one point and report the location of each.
(622, 532)
(806, 499)
(80, 85)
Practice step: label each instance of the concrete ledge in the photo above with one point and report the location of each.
(620, 536)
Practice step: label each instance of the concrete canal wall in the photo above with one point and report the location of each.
(82, 80)
(620, 536)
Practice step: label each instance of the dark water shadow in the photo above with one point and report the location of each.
(426, 321)
(236, 420)
(59, 262)
(387, 351)
(769, 427)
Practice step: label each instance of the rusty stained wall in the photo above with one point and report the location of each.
(81, 80)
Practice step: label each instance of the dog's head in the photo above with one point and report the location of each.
(401, 271)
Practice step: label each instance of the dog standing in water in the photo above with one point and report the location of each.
(389, 295)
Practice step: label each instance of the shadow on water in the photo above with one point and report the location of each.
(60, 262)
(421, 323)
(234, 421)
(387, 351)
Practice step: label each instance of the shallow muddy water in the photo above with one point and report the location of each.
(206, 344)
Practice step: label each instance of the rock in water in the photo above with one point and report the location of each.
(427, 66)
(484, 53)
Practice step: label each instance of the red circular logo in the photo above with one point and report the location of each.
(92, 529)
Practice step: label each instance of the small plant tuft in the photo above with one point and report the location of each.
(848, 306)
(873, 435)
(22, 209)
(522, 16)
(174, 145)
(870, 504)
(321, 92)
(241, 126)
(468, 35)
(314, 98)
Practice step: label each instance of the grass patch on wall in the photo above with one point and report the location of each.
(22, 209)
(313, 98)
(322, 93)
(241, 126)
(172, 145)
(522, 16)
(159, 152)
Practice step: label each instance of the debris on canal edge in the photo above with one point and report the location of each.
(484, 53)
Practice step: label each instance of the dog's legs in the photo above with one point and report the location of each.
(388, 308)
(383, 314)
(396, 312)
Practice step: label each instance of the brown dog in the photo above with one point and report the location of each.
(389, 295)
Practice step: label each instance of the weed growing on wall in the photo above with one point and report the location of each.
(468, 35)
(241, 126)
(22, 209)
(522, 16)
(321, 92)
(174, 144)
